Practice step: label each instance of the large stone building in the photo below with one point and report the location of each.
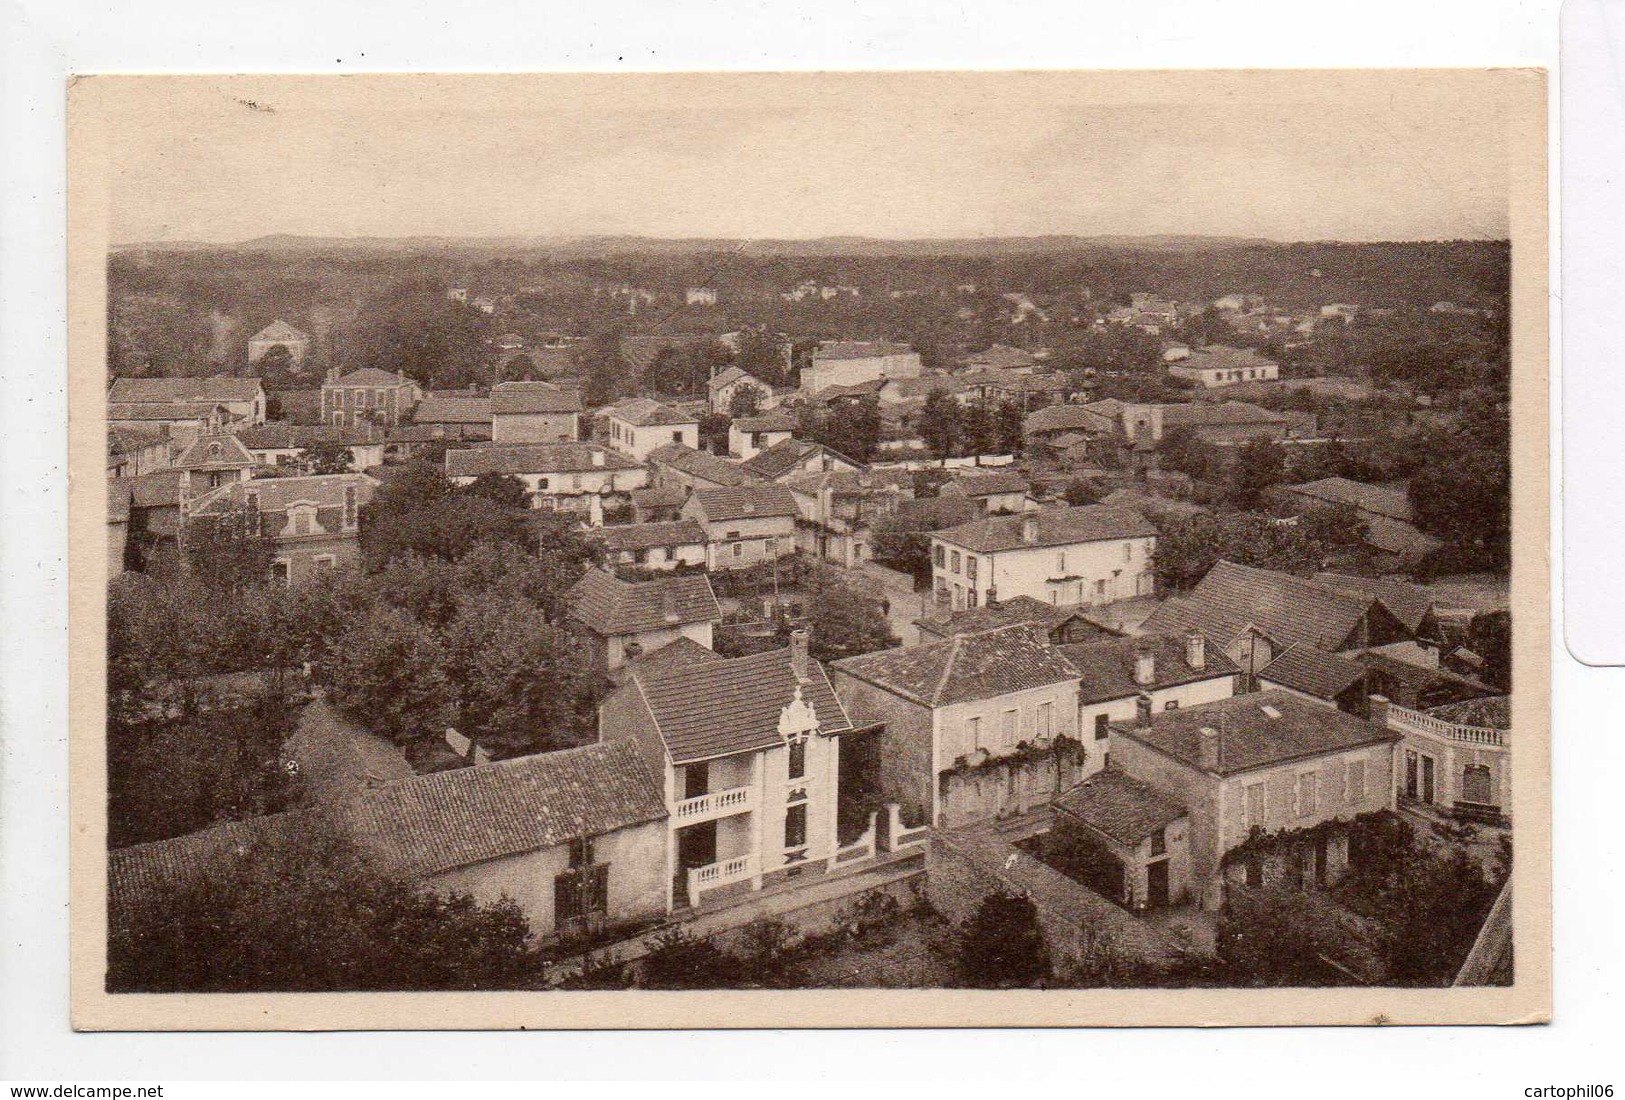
(279, 334)
(314, 521)
(368, 396)
(582, 479)
(534, 412)
(846, 362)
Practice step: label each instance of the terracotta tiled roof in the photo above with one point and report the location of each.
(448, 409)
(275, 437)
(965, 667)
(659, 496)
(1055, 527)
(859, 349)
(1019, 610)
(1120, 806)
(1287, 609)
(161, 411)
(989, 483)
(1409, 603)
(127, 438)
(702, 465)
(1383, 500)
(218, 389)
(731, 374)
(434, 823)
(1252, 737)
(159, 489)
(999, 357)
(279, 330)
(776, 421)
(780, 458)
(223, 449)
(520, 398)
(643, 412)
(371, 376)
(610, 606)
(150, 874)
(535, 458)
(275, 494)
(744, 502)
(1313, 671)
(852, 482)
(732, 706)
(643, 536)
(1068, 418)
(1106, 668)
(682, 652)
(939, 512)
(1201, 414)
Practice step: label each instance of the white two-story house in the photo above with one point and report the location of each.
(1060, 556)
(623, 620)
(748, 750)
(640, 425)
(582, 479)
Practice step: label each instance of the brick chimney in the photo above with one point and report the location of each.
(1145, 667)
(1379, 710)
(1029, 528)
(992, 597)
(799, 663)
(1210, 745)
(1196, 650)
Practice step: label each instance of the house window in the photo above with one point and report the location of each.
(1305, 802)
(324, 563)
(1045, 720)
(739, 549)
(798, 758)
(696, 780)
(795, 826)
(1128, 551)
(973, 731)
(938, 555)
(1255, 806)
(970, 568)
(280, 571)
(1354, 781)
(1009, 723)
(1060, 562)
(1159, 842)
(1102, 722)
(575, 481)
(1100, 588)
(302, 524)
(953, 562)
(676, 437)
(970, 598)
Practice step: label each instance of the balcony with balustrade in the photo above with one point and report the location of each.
(723, 872)
(712, 805)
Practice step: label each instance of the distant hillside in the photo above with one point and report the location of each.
(621, 245)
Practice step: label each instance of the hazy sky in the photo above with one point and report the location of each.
(1356, 157)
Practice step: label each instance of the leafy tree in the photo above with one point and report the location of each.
(412, 328)
(1259, 466)
(229, 549)
(1464, 496)
(503, 489)
(761, 354)
(1188, 548)
(1285, 937)
(746, 401)
(388, 672)
(1184, 451)
(1335, 526)
(676, 959)
(301, 910)
(1001, 946)
(602, 368)
(842, 622)
(939, 424)
(1079, 491)
(328, 458)
(770, 959)
(1490, 636)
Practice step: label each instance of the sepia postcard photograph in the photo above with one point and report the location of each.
(809, 549)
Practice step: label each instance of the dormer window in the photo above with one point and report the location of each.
(214, 452)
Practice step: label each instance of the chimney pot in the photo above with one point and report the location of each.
(1145, 667)
(1196, 650)
(798, 655)
(1210, 745)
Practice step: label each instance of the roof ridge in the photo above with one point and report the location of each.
(947, 668)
